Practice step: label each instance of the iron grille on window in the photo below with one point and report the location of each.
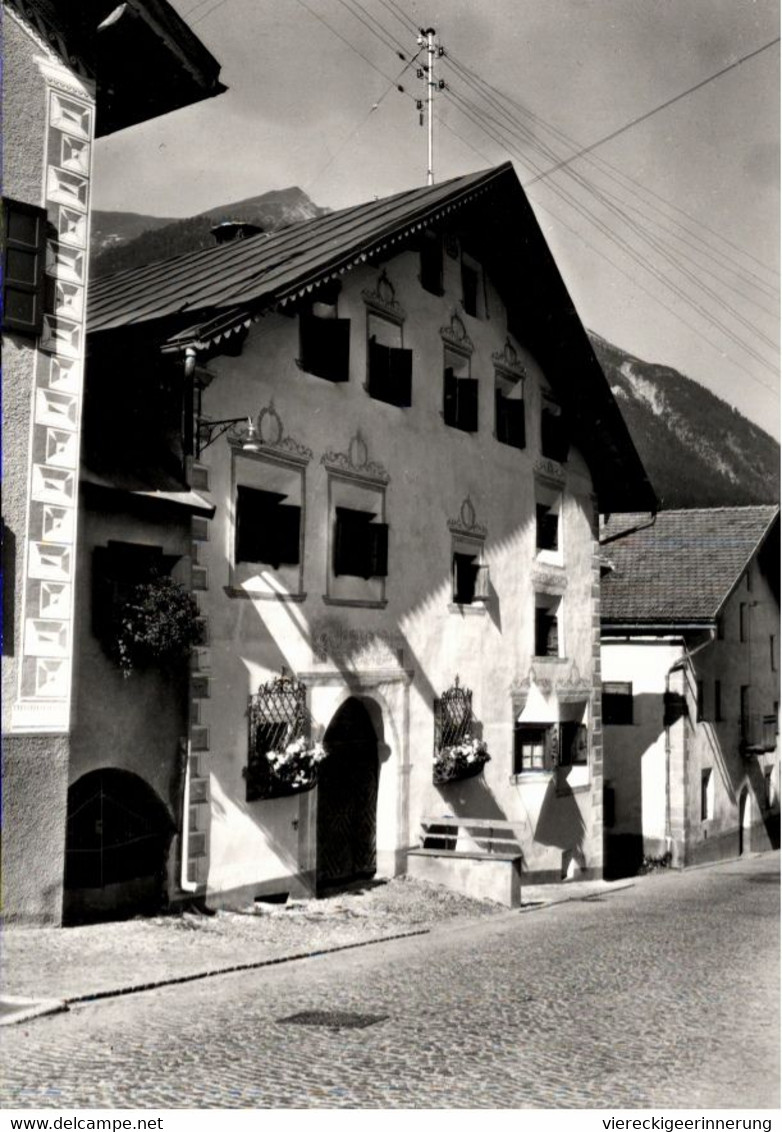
(277, 717)
(453, 718)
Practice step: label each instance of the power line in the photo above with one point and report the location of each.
(520, 130)
(385, 38)
(632, 253)
(655, 110)
(472, 77)
(347, 42)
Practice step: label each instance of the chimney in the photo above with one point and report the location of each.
(229, 230)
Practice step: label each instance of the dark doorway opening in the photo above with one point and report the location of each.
(347, 799)
(116, 849)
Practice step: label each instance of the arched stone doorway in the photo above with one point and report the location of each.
(116, 848)
(347, 798)
(744, 821)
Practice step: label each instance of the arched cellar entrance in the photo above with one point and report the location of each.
(116, 848)
(347, 798)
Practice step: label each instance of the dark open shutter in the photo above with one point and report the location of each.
(379, 370)
(325, 347)
(401, 377)
(515, 428)
(288, 522)
(378, 550)
(554, 442)
(449, 396)
(351, 542)
(432, 264)
(467, 404)
(24, 263)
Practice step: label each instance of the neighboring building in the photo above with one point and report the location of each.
(415, 520)
(690, 658)
(72, 73)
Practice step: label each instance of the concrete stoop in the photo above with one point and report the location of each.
(482, 876)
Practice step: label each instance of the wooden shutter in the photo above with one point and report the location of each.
(377, 534)
(581, 751)
(401, 377)
(500, 416)
(467, 405)
(482, 583)
(450, 387)
(24, 264)
(287, 519)
(551, 746)
(379, 370)
(351, 542)
(515, 427)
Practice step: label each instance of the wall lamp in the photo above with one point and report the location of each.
(208, 431)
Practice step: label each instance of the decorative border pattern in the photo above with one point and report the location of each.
(467, 522)
(355, 463)
(383, 299)
(46, 661)
(455, 334)
(272, 438)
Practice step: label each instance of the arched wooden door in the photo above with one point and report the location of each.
(347, 798)
(117, 840)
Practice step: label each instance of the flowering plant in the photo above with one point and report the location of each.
(157, 623)
(296, 765)
(461, 760)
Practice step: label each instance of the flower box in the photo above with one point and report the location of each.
(291, 770)
(462, 760)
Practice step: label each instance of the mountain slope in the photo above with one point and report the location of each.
(125, 240)
(697, 450)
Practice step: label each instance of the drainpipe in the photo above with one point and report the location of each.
(185, 884)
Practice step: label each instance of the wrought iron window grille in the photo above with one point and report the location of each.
(278, 717)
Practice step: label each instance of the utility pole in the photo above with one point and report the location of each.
(433, 51)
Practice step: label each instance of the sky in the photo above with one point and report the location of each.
(667, 235)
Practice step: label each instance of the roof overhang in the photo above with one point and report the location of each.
(625, 628)
(143, 57)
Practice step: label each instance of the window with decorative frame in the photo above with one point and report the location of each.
(268, 490)
(544, 746)
(472, 285)
(469, 569)
(460, 391)
(548, 626)
(324, 338)
(358, 530)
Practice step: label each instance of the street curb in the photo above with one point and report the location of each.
(30, 1008)
(575, 896)
(138, 988)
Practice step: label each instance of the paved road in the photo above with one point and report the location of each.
(662, 995)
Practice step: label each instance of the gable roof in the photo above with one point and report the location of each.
(201, 297)
(682, 568)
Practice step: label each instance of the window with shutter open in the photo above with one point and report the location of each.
(360, 545)
(267, 530)
(460, 392)
(325, 343)
(432, 263)
(24, 264)
(554, 441)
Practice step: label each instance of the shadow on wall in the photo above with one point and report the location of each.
(624, 747)
(560, 823)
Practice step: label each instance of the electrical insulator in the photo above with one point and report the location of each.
(419, 73)
(401, 56)
(441, 84)
(440, 52)
(419, 104)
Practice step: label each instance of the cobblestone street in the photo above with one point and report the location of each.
(665, 994)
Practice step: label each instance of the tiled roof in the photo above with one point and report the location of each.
(680, 569)
(272, 267)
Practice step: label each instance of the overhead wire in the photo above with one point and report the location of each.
(541, 122)
(628, 250)
(619, 208)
